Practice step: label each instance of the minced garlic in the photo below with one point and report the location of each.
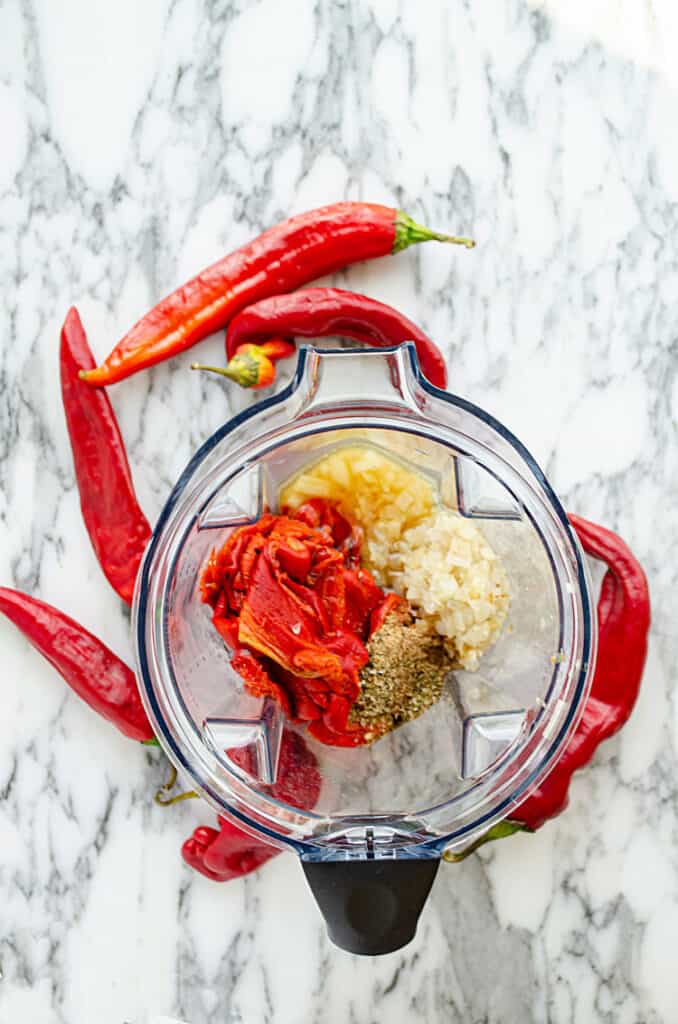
(457, 584)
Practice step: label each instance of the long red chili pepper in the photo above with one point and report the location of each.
(325, 312)
(93, 671)
(108, 686)
(281, 259)
(117, 527)
(623, 625)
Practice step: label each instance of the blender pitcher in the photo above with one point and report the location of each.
(371, 843)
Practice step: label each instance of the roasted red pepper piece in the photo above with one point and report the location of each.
(302, 616)
(353, 736)
(363, 600)
(259, 679)
(294, 558)
(281, 259)
(228, 853)
(228, 628)
(390, 604)
(274, 623)
(117, 527)
(346, 536)
(332, 312)
(93, 671)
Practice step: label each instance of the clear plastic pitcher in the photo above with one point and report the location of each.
(371, 843)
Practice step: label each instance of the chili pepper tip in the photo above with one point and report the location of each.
(91, 377)
(468, 243)
(223, 371)
(163, 801)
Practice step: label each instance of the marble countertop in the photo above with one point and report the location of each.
(142, 141)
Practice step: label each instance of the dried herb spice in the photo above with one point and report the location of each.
(404, 675)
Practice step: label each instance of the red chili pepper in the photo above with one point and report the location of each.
(275, 349)
(117, 527)
(233, 852)
(330, 312)
(623, 625)
(283, 258)
(229, 852)
(87, 665)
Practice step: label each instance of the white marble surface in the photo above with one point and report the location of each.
(140, 141)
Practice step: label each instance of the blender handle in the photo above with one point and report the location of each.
(371, 906)
(388, 376)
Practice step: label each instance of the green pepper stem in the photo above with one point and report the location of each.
(165, 801)
(242, 369)
(190, 794)
(499, 831)
(223, 371)
(408, 232)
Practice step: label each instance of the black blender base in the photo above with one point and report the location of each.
(372, 906)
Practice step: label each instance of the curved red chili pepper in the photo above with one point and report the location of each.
(283, 258)
(117, 527)
(93, 671)
(330, 312)
(277, 348)
(623, 625)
